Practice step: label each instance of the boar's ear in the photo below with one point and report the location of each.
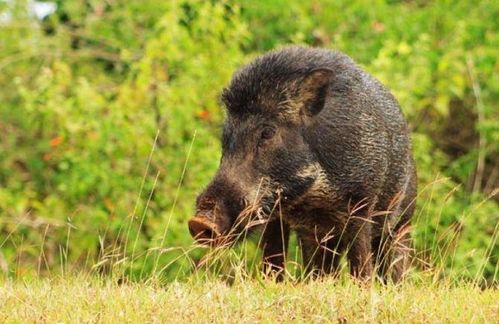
(312, 91)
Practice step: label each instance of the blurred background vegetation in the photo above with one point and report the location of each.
(110, 121)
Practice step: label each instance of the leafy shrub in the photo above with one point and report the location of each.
(110, 121)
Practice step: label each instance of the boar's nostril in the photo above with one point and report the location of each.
(244, 202)
(203, 230)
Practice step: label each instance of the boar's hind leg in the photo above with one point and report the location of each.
(393, 260)
(274, 244)
(393, 253)
(392, 248)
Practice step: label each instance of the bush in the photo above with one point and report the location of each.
(110, 121)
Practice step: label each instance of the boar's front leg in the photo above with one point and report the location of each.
(274, 244)
(320, 258)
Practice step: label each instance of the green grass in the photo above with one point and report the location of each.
(82, 299)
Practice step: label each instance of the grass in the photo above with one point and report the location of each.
(84, 299)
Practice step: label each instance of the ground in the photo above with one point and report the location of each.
(247, 301)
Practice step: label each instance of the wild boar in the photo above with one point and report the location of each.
(312, 143)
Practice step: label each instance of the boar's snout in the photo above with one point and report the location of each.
(217, 208)
(203, 230)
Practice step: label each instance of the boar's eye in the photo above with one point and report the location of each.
(267, 133)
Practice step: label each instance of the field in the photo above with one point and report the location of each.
(110, 124)
(84, 300)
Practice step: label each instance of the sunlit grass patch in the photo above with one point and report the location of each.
(83, 298)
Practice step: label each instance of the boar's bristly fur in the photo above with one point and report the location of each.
(314, 144)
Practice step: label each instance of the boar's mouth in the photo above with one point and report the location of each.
(213, 224)
(206, 232)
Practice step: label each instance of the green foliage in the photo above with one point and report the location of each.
(110, 121)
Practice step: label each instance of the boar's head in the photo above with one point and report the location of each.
(267, 162)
